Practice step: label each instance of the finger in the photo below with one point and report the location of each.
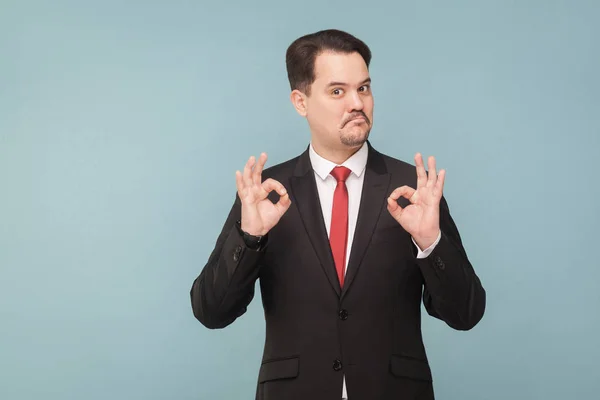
(248, 172)
(394, 208)
(256, 175)
(439, 185)
(239, 182)
(403, 191)
(283, 204)
(432, 178)
(271, 184)
(421, 174)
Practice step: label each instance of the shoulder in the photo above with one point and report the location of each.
(281, 170)
(394, 164)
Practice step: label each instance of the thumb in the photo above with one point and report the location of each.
(283, 204)
(394, 209)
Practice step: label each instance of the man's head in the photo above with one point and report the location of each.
(329, 77)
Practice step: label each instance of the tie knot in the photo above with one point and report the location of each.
(340, 173)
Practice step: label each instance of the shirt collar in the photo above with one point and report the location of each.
(356, 163)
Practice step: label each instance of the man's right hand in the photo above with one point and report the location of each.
(259, 214)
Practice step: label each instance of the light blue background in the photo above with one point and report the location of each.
(121, 127)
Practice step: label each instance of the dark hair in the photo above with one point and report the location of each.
(302, 53)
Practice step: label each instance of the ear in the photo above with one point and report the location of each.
(299, 102)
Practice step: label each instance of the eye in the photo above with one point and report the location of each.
(364, 88)
(337, 92)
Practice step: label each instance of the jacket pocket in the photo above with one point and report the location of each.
(413, 368)
(278, 369)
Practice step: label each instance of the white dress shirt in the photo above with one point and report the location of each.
(326, 184)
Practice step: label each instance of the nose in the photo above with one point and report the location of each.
(355, 102)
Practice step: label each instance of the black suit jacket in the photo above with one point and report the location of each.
(317, 332)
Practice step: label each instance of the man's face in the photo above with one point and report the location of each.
(339, 109)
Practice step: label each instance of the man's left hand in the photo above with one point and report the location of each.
(421, 218)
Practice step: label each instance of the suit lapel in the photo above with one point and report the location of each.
(306, 196)
(373, 201)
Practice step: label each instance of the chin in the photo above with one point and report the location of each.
(355, 137)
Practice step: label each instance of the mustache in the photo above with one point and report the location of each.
(355, 115)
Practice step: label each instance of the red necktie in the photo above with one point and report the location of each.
(338, 234)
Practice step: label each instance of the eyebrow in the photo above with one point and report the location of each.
(368, 80)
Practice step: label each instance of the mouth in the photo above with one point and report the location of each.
(357, 120)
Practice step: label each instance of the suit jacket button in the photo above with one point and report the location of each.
(337, 365)
(343, 314)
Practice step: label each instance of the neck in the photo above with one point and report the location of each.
(335, 155)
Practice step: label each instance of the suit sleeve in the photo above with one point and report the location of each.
(225, 287)
(453, 292)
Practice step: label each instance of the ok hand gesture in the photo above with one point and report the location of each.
(259, 214)
(421, 218)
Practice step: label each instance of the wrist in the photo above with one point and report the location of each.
(425, 241)
(251, 230)
(254, 242)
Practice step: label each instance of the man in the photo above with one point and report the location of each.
(345, 242)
